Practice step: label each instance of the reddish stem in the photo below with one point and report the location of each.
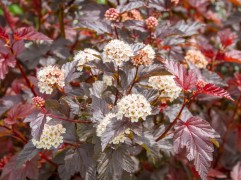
(29, 84)
(172, 124)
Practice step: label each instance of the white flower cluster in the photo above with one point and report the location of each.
(108, 80)
(133, 106)
(86, 56)
(166, 84)
(121, 137)
(48, 77)
(103, 124)
(144, 56)
(197, 58)
(50, 137)
(117, 51)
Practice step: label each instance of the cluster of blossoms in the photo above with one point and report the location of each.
(197, 58)
(48, 77)
(50, 137)
(38, 102)
(131, 15)
(86, 56)
(112, 14)
(108, 80)
(151, 22)
(103, 124)
(144, 56)
(133, 106)
(121, 137)
(166, 84)
(117, 51)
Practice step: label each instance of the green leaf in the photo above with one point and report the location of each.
(15, 9)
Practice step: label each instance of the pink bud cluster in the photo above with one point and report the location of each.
(38, 102)
(151, 22)
(112, 14)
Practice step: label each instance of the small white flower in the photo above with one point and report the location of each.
(49, 77)
(144, 56)
(103, 124)
(86, 56)
(121, 137)
(133, 106)
(197, 58)
(166, 84)
(50, 137)
(117, 51)
(108, 80)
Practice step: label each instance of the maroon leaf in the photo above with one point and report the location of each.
(233, 56)
(28, 170)
(29, 33)
(227, 37)
(18, 112)
(18, 47)
(37, 121)
(185, 79)
(195, 135)
(236, 172)
(211, 89)
(6, 61)
(4, 35)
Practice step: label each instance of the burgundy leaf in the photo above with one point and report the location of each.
(216, 174)
(4, 35)
(29, 33)
(211, 89)
(18, 112)
(28, 170)
(233, 56)
(227, 37)
(184, 79)
(37, 121)
(6, 61)
(236, 172)
(18, 47)
(195, 135)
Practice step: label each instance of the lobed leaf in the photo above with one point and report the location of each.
(211, 89)
(29, 33)
(195, 135)
(185, 79)
(37, 121)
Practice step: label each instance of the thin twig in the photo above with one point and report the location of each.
(133, 82)
(29, 84)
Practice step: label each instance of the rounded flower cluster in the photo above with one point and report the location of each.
(131, 15)
(144, 56)
(197, 58)
(103, 124)
(50, 137)
(38, 101)
(166, 84)
(121, 137)
(112, 14)
(108, 80)
(151, 22)
(133, 106)
(86, 56)
(49, 77)
(117, 51)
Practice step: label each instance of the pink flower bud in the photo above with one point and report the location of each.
(151, 22)
(112, 14)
